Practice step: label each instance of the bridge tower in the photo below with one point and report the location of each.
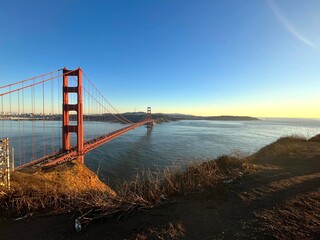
(66, 108)
(149, 117)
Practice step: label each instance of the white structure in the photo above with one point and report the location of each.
(4, 163)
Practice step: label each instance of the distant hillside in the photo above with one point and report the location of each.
(231, 118)
(162, 117)
(220, 118)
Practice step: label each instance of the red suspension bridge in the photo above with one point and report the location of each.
(46, 117)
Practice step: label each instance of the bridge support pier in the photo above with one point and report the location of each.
(67, 107)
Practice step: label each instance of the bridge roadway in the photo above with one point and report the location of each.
(64, 156)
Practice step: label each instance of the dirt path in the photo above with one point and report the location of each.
(281, 200)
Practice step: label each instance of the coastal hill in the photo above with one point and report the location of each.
(218, 118)
(163, 117)
(272, 194)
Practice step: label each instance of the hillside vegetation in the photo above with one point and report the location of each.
(272, 194)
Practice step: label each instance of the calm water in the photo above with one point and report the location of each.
(178, 142)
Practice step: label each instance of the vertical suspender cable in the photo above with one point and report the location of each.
(23, 128)
(52, 115)
(10, 113)
(32, 120)
(43, 123)
(20, 139)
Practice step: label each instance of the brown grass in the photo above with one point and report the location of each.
(171, 231)
(203, 175)
(151, 188)
(283, 145)
(81, 190)
(74, 187)
(296, 218)
(315, 138)
(55, 190)
(43, 191)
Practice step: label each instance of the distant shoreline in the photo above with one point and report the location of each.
(228, 118)
(178, 117)
(134, 117)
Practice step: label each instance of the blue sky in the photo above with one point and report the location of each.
(232, 57)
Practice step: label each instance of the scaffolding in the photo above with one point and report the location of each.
(4, 163)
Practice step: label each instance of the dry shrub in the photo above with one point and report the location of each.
(202, 175)
(145, 190)
(148, 189)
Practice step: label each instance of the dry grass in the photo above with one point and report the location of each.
(55, 190)
(81, 190)
(149, 189)
(202, 175)
(277, 212)
(296, 218)
(68, 178)
(171, 231)
(315, 138)
(283, 145)
(75, 188)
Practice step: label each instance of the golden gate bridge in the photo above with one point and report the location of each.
(68, 96)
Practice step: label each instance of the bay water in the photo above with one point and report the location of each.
(166, 144)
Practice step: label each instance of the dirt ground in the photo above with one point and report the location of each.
(280, 200)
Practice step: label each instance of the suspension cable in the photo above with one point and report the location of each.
(27, 80)
(104, 97)
(33, 84)
(124, 120)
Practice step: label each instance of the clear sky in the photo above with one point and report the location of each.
(232, 57)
